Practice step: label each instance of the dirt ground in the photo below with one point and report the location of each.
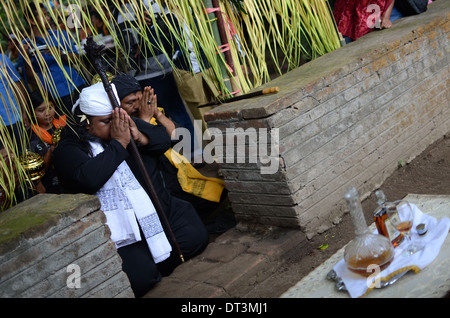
(428, 173)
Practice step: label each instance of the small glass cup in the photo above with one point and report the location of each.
(403, 222)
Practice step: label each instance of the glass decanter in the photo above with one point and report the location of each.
(366, 251)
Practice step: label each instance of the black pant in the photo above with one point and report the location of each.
(191, 236)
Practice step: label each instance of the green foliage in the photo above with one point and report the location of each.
(6, 25)
(239, 5)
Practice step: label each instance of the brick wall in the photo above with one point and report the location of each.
(344, 119)
(59, 246)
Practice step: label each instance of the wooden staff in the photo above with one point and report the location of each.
(245, 96)
(94, 52)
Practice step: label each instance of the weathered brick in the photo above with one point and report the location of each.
(222, 252)
(245, 265)
(278, 244)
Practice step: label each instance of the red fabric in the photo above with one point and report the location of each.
(352, 16)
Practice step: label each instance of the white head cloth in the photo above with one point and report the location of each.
(94, 100)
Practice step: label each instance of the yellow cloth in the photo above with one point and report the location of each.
(191, 180)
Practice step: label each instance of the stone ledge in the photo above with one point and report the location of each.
(51, 241)
(41, 213)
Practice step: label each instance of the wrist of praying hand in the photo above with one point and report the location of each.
(158, 114)
(141, 139)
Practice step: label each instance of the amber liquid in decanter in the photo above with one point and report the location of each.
(367, 249)
(361, 266)
(382, 217)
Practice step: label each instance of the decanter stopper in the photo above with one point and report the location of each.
(356, 211)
